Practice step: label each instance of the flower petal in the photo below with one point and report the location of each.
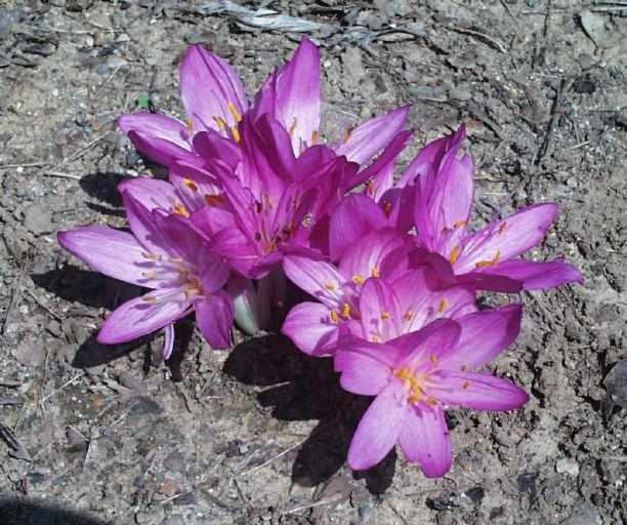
(381, 318)
(139, 317)
(478, 391)
(214, 315)
(371, 137)
(484, 336)
(429, 345)
(168, 341)
(144, 226)
(308, 325)
(151, 193)
(108, 251)
(537, 275)
(425, 440)
(212, 93)
(356, 216)
(379, 428)
(246, 305)
(366, 367)
(507, 238)
(318, 278)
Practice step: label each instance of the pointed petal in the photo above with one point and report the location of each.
(144, 226)
(214, 272)
(214, 315)
(211, 90)
(429, 345)
(108, 251)
(168, 341)
(425, 440)
(507, 238)
(139, 317)
(478, 391)
(356, 216)
(298, 93)
(484, 336)
(156, 126)
(318, 278)
(537, 275)
(151, 193)
(490, 281)
(379, 428)
(308, 325)
(366, 367)
(371, 137)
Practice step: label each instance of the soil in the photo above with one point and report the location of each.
(94, 434)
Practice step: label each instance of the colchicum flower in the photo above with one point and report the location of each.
(163, 254)
(417, 375)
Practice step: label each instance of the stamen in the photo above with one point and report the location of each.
(214, 199)
(190, 184)
(442, 306)
(375, 272)
(416, 393)
(236, 136)
(315, 138)
(358, 279)
(346, 311)
(370, 187)
(220, 122)
(152, 256)
(237, 116)
(431, 401)
(460, 224)
(189, 123)
(387, 208)
(335, 319)
(466, 385)
(409, 315)
(455, 253)
(434, 358)
(293, 127)
(491, 262)
(375, 338)
(330, 286)
(385, 316)
(179, 209)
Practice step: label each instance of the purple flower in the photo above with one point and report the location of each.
(417, 375)
(215, 101)
(163, 254)
(488, 258)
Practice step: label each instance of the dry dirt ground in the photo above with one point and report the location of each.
(96, 435)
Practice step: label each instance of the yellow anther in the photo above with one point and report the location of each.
(454, 255)
(375, 338)
(434, 358)
(149, 299)
(330, 286)
(189, 123)
(220, 122)
(315, 138)
(189, 183)
(346, 136)
(335, 319)
(416, 392)
(214, 199)
(237, 116)
(431, 401)
(148, 275)
(442, 306)
(490, 262)
(466, 385)
(358, 279)
(236, 135)
(385, 316)
(179, 209)
(409, 315)
(460, 224)
(346, 311)
(375, 272)
(293, 126)
(269, 201)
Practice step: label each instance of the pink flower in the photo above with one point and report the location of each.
(418, 375)
(167, 256)
(215, 101)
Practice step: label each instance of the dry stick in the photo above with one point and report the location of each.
(61, 174)
(500, 46)
(62, 387)
(274, 458)
(327, 501)
(557, 102)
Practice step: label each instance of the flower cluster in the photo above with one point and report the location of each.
(390, 263)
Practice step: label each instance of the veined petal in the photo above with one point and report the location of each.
(537, 275)
(379, 428)
(380, 313)
(356, 216)
(430, 345)
(366, 367)
(298, 95)
(144, 226)
(212, 93)
(152, 193)
(484, 335)
(477, 391)
(142, 316)
(217, 151)
(214, 272)
(507, 238)
(309, 326)
(318, 278)
(158, 127)
(425, 440)
(180, 239)
(196, 188)
(108, 251)
(366, 140)
(214, 315)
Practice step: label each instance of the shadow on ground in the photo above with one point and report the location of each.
(23, 512)
(304, 388)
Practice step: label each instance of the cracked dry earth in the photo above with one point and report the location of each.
(96, 435)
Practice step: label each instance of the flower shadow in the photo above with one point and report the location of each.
(303, 388)
(23, 512)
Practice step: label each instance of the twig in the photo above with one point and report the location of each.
(327, 501)
(62, 175)
(45, 307)
(557, 102)
(497, 44)
(62, 387)
(25, 165)
(85, 148)
(273, 458)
